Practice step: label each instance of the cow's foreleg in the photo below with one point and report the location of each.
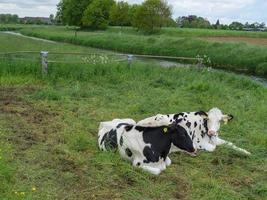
(220, 141)
(152, 170)
(168, 161)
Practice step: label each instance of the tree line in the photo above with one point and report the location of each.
(149, 16)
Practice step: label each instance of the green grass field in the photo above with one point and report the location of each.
(234, 56)
(172, 42)
(48, 129)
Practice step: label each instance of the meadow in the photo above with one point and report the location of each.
(237, 56)
(48, 129)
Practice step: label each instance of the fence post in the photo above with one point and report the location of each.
(130, 59)
(44, 56)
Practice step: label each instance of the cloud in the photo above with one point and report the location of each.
(225, 10)
(29, 8)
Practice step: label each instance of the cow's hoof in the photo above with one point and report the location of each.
(168, 161)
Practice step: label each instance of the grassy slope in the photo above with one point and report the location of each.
(49, 131)
(191, 32)
(231, 56)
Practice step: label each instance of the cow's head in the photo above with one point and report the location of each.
(214, 118)
(181, 139)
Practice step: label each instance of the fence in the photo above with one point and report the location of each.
(44, 60)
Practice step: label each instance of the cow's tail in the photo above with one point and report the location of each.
(232, 146)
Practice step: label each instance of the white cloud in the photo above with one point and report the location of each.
(41, 8)
(225, 10)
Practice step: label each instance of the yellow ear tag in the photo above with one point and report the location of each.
(165, 130)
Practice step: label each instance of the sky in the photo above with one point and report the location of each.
(224, 10)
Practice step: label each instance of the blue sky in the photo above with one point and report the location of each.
(225, 10)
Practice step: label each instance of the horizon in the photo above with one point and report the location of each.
(226, 11)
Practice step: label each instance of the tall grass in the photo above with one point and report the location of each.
(230, 56)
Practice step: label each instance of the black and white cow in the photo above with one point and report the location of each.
(144, 147)
(202, 127)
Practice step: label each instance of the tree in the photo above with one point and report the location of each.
(70, 12)
(152, 15)
(119, 14)
(236, 26)
(192, 21)
(96, 15)
(9, 18)
(217, 25)
(52, 18)
(133, 14)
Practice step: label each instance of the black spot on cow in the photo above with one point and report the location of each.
(198, 141)
(168, 115)
(138, 164)
(206, 125)
(195, 124)
(201, 113)
(176, 116)
(200, 146)
(128, 127)
(151, 156)
(188, 124)
(140, 128)
(190, 132)
(122, 124)
(128, 152)
(171, 120)
(110, 140)
(178, 120)
(199, 126)
(160, 141)
(203, 134)
(121, 141)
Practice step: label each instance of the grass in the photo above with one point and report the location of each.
(49, 126)
(231, 56)
(194, 32)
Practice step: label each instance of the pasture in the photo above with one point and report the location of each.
(48, 126)
(233, 56)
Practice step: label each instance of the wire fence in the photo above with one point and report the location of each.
(45, 57)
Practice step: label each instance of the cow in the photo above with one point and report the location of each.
(202, 127)
(145, 147)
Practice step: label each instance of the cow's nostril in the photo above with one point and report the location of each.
(211, 133)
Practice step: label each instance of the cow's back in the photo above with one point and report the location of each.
(109, 134)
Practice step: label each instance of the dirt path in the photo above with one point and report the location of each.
(254, 41)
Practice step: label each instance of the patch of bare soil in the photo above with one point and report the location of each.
(24, 121)
(254, 41)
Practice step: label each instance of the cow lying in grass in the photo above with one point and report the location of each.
(202, 127)
(144, 147)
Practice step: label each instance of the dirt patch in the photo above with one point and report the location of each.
(255, 41)
(24, 121)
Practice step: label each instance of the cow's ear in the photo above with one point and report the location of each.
(227, 118)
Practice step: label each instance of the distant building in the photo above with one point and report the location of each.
(35, 20)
